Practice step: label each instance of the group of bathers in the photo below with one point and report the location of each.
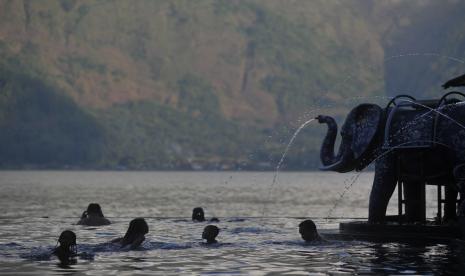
(138, 227)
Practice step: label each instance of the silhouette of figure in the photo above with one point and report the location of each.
(135, 234)
(198, 214)
(67, 250)
(210, 232)
(93, 216)
(459, 175)
(455, 82)
(307, 230)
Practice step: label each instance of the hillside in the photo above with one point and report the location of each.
(195, 84)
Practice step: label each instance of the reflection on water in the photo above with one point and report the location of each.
(37, 206)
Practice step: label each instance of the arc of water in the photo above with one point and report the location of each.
(291, 141)
(431, 110)
(436, 111)
(275, 177)
(424, 54)
(348, 183)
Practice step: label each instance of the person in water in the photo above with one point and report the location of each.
(67, 248)
(93, 216)
(135, 234)
(198, 215)
(210, 232)
(307, 230)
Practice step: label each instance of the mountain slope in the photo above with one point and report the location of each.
(177, 84)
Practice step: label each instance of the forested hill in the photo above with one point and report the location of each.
(205, 84)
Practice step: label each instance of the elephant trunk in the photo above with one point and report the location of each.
(327, 148)
(331, 162)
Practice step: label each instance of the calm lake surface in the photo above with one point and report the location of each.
(258, 222)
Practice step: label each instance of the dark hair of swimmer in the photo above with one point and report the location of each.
(210, 232)
(94, 208)
(198, 214)
(307, 230)
(136, 231)
(67, 247)
(67, 239)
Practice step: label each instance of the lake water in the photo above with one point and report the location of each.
(258, 223)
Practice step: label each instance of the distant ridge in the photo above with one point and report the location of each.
(201, 84)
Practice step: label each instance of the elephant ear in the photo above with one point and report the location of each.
(365, 122)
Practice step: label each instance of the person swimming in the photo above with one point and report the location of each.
(93, 216)
(307, 230)
(210, 232)
(67, 249)
(135, 234)
(198, 215)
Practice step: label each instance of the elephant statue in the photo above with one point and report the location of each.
(410, 141)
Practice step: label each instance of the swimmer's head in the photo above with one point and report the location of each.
(137, 227)
(67, 240)
(210, 232)
(94, 209)
(198, 214)
(307, 230)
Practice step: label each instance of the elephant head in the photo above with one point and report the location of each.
(359, 139)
